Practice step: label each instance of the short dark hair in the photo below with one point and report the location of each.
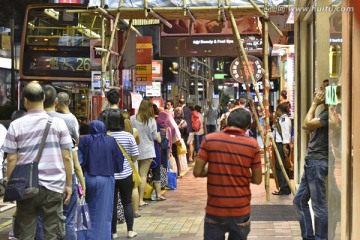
(283, 107)
(198, 108)
(326, 80)
(63, 98)
(242, 101)
(156, 109)
(33, 92)
(50, 95)
(182, 101)
(283, 93)
(170, 101)
(113, 96)
(240, 118)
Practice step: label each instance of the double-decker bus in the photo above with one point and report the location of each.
(57, 48)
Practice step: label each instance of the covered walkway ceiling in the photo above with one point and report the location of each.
(182, 9)
(174, 13)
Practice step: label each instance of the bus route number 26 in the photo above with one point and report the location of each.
(83, 64)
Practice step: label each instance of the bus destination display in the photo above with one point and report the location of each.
(59, 66)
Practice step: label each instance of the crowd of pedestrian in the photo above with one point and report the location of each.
(112, 165)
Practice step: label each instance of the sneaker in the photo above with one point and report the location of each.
(131, 234)
(115, 235)
(137, 215)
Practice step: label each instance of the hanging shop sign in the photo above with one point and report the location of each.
(154, 90)
(143, 70)
(157, 70)
(208, 46)
(255, 68)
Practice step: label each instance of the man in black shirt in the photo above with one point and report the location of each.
(313, 185)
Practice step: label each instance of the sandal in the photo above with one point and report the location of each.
(143, 205)
(161, 198)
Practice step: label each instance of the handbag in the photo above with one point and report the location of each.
(181, 148)
(148, 190)
(83, 216)
(24, 179)
(136, 175)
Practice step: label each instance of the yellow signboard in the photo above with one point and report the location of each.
(5, 42)
(143, 69)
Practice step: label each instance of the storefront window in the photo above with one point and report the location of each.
(333, 95)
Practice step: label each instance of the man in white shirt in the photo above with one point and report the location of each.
(3, 132)
(282, 135)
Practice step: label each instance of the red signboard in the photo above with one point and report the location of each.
(143, 70)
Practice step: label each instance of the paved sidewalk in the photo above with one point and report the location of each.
(181, 215)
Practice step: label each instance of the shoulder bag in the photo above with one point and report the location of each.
(24, 179)
(136, 176)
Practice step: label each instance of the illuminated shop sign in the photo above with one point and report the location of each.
(255, 68)
(208, 46)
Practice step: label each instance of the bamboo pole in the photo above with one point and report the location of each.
(241, 52)
(219, 11)
(103, 66)
(185, 8)
(282, 167)
(121, 53)
(266, 89)
(112, 37)
(109, 43)
(146, 8)
(265, 16)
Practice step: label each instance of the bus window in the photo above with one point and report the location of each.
(56, 44)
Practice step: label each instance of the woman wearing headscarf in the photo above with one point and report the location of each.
(101, 158)
(166, 120)
(182, 125)
(144, 122)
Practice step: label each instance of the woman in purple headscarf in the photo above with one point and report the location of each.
(102, 157)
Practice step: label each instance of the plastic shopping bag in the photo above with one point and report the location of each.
(172, 180)
(83, 216)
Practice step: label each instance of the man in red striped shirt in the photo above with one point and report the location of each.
(231, 161)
